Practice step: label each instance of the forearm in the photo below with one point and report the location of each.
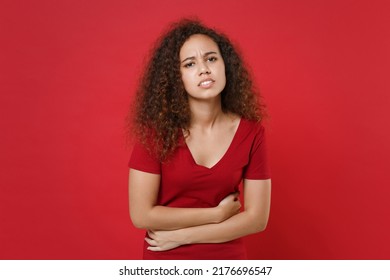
(237, 226)
(170, 218)
(253, 219)
(242, 224)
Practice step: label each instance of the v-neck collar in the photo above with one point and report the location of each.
(224, 156)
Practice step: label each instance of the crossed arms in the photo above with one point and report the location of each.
(170, 227)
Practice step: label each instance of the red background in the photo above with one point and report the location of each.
(68, 73)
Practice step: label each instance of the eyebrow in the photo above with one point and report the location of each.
(193, 57)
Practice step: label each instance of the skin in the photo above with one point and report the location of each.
(201, 60)
(211, 132)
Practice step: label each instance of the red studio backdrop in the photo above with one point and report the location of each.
(69, 70)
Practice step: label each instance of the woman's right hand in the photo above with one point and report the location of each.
(229, 206)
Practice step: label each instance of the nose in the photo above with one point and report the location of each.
(204, 69)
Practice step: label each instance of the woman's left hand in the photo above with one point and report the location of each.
(161, 240)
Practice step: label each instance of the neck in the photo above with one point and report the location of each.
(204, 114)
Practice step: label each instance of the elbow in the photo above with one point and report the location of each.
(258, 221)
(142, 218)
(259, 225)
(138, 224)
(139, 221)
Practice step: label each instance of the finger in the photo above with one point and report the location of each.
(231, 197)
(154, 249)
(238, 206)
(151, 241)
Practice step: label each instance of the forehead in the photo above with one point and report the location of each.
(198, 44)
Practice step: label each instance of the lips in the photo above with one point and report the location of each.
(206, 83)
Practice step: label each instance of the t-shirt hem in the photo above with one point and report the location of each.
(145, 170)
(255, 177)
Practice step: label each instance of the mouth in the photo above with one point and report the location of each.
(206, 83)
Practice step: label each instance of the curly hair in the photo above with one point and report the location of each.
(161, 107)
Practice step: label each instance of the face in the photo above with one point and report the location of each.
(202, 68)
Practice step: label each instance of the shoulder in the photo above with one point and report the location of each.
(143, 159)
(251, 126)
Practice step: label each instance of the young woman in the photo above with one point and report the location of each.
(199, 137)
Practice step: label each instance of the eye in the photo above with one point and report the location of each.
(212, 58)
(188, 65)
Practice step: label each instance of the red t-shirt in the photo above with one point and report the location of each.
(184, 183)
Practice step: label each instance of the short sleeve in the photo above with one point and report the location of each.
(258, 167)
(142, 160)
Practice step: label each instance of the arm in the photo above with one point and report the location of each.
(257, 196)
(145, 213)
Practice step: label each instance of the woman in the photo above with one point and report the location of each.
(199, 137)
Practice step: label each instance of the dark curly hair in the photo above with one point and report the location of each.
(161, 107)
